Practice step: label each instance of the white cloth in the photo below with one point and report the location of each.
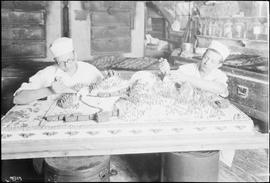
(176, 25)
(85, 74)
(61, 46)
(216, 75)
(226, 156)
(151, 40)
(220, 48)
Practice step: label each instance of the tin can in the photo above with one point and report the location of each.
(238, 29)
(77, 169)
(227, 32)
(199, 166)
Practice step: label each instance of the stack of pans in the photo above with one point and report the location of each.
(254, 63)
(122, 63)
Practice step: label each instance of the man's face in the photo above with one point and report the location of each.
(66, 62)
(210, 61)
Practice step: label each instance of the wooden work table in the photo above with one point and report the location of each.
(26, 134)
(31, 137)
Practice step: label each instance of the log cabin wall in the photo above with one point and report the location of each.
(31, 26)
(37, 23)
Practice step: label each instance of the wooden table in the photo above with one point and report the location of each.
(30, 136)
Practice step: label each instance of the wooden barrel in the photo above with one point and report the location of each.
(77, 169)
(190, 166)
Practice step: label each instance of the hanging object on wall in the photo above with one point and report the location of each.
(111, 6)
(65, 32)
(111, 24)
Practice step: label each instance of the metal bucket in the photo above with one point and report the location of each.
(190, 166)
(77, 169)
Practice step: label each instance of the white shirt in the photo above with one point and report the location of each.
(85, 74)
(216, 75)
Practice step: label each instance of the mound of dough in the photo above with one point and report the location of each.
(111, 86)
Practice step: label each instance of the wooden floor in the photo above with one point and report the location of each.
(248, 166)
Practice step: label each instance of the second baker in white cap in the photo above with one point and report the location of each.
(206, 74)
(62, 77)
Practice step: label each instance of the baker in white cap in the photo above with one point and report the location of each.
(57, 79)
(62, 77)
(206, 74)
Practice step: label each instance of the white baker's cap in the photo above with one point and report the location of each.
(220, 48)
(61, 46)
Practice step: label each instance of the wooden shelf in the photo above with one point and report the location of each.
(233, 39)
(231, 17)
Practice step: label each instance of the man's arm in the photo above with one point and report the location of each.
(27, 96)
(211, 86)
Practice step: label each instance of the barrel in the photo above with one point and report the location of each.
(77, 169)
(190, 166)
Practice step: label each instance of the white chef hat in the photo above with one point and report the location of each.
(61, 46)
(220, 48)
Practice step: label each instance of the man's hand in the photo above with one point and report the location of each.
(59, 87)
(110, 73)
(164, 66)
